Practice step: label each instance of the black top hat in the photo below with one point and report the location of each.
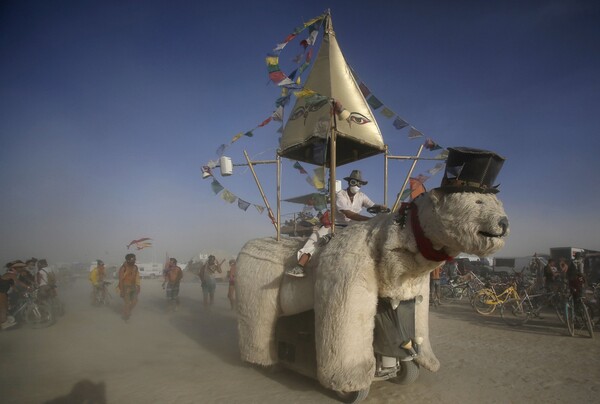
(356, 175)
(471, 170)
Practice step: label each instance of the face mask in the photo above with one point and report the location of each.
(354, 189)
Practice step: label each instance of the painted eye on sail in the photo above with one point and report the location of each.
(298, 112)
(358, 118)
(316, 106)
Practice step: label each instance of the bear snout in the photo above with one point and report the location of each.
(503, 223)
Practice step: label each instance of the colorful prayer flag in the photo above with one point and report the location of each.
(413, 133)
(221, 150)
(237, 137)
(431, 145)
(364, 90)
(266, 121)
(243, 205)
(405, 194)
(435, 169)
(278, 114)
(216, 187)
(259, 208)
(298, 167)
(228, 196)
(374, 102)
(416, 188)
(319, 178)
(305, 92)
(387, 112)
(400, 123)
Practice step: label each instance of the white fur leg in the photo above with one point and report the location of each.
(426, 358)
(260, 267)
(345, 305)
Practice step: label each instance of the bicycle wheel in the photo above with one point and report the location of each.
(513, 313)
(569, 309)
(39, 315)
(587, 320)
(485, 302)
(446, 292)
(559, 308)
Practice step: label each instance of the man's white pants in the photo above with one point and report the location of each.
(310, 245)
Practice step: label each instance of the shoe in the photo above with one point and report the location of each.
(296, 271)
(10, 321)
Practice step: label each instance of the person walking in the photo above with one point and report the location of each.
(209, 284)
(129, 285)
(231, 276)
(434, 285)
(172, 279)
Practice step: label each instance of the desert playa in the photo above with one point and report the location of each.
(191, 356)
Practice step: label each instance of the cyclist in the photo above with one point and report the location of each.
(97, 276)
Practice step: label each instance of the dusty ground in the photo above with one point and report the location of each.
(191, 356)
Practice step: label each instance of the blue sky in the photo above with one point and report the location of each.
(109, 109)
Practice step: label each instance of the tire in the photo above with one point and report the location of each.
(587, 320)
(485, 302)
(569, 309)
(559, 307)
(409, 372)
(512, 312)
(352, 396)
(39, 315)
(446, 292)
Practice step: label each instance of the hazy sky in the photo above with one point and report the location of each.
(109, 109)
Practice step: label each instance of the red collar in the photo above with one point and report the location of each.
(424, 245)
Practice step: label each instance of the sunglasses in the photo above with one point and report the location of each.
(354, 183)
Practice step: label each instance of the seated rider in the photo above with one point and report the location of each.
(349, 203)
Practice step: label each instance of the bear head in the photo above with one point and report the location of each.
(468, 222)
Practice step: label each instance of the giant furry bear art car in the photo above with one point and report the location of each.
(389, 256)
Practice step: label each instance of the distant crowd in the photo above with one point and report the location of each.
(28, 289)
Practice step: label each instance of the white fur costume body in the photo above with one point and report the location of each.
(345, 278)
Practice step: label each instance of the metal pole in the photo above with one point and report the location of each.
(262, 193)
(412, 167)
(278, 227)
(332, 165)
(385, 175)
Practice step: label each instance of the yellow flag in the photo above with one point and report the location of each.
(305, 92)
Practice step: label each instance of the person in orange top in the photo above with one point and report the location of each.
(129, 285)
(434, 285)
(172, 278)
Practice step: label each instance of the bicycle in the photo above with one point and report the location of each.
(32, 312)
(101, 296)
(577, 316)
(486, 300)
(519, 311)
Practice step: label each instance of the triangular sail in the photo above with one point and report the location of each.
(307, 132)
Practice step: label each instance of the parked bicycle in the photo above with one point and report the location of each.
(32, 312)
(487, 299)
(577, 316)
(460, 287)
(519, 311)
